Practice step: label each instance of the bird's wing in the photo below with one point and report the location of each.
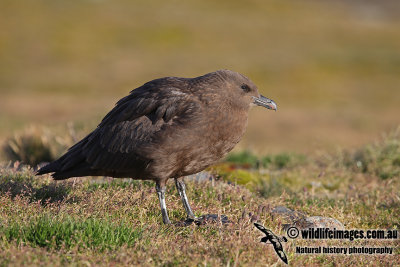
(281, 253)
(261, 228)
(274, 241)
(136, 123)
(154, 98)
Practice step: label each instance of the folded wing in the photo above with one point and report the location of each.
(123, 141)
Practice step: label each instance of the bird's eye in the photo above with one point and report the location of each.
(245, 88)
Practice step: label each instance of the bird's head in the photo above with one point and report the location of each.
(241, 91)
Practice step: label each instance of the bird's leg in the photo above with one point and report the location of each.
(160, 187)
(180, 185)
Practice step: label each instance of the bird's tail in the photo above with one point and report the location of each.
(71, 164)
(59, 173)
(54, 166)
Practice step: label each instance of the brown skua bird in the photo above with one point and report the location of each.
(167, 128)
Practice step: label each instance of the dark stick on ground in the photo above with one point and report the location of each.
(167, 128)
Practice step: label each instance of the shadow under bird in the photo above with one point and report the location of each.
(167, 128)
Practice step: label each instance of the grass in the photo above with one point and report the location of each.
(105, 221)
(279, 161)
(67, 232)
(36, 145)
(381, 159)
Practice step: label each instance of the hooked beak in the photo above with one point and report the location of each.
(265, 102)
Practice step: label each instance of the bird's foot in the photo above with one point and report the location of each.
(204, 219)
(184, 223)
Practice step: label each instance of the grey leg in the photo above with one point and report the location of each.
(161, 197)
(180, 185)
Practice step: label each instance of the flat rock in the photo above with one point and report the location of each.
(300, 220)
(325, 222)
(200, 177)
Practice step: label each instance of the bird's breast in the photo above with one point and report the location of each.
(197, 145)
(212, 141)
(225, 132)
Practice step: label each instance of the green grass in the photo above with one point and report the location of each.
(54, 233)
(283, 160)
(381, 158)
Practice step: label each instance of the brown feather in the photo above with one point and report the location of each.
(169, 127)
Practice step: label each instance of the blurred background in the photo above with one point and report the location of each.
(333, 67)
